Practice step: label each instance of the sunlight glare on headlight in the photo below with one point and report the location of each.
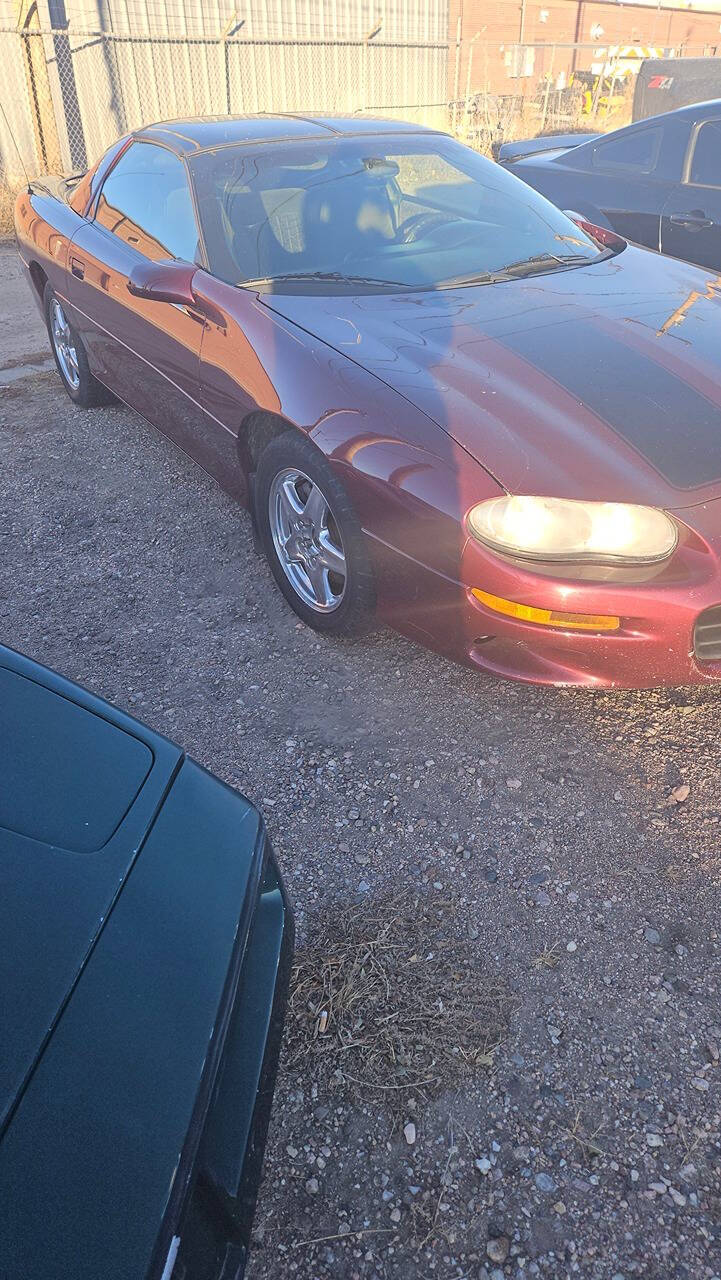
(565, 529)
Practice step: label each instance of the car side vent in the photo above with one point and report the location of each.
(707, 635)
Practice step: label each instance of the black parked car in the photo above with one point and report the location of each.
(657, 182)
(145, 944)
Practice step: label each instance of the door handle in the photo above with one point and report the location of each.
(694, 221)
(78, 268)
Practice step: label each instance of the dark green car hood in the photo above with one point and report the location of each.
(129, 877)
(78, 793)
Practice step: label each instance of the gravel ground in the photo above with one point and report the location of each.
(549, 826)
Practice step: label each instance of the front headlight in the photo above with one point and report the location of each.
(564, 529)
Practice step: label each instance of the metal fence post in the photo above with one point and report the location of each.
(231, 28)
(365, 60)
(457, 75)
(548, 88)
(468, 75)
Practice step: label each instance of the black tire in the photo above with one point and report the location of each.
(88, 392)
(354, 613)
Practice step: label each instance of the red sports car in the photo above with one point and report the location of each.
(443, 399)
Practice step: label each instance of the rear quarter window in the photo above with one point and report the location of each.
(631, 153)
(86, 190)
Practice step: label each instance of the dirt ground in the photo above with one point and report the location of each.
(534, 833)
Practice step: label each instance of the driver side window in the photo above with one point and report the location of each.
(146, 201)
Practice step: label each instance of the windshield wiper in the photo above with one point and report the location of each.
(545, 262)
(526, 266)
(483, 277)
(333, 277)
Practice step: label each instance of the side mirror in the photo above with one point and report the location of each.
(164, 282)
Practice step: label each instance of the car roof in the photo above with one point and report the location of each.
(206, 132)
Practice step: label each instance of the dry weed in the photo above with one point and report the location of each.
(392, 1004)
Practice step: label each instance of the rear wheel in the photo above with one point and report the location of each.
(70, 357)
(312, 538)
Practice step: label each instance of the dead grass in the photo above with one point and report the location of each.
(582, 1137)
(549, 957)
(387, 1002)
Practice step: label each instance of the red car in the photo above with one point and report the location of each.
(443, 399)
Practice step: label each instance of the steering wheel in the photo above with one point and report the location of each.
(419, 224)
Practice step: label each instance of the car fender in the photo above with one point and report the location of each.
(402, 471)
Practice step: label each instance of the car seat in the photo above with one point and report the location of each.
(348, 216)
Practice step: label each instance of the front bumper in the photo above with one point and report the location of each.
(658, 642)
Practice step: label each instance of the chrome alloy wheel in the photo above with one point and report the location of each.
(64, 345)
(307, 540)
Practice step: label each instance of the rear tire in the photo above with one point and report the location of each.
(312, 538)
(70, 358)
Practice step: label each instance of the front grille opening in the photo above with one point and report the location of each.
(707, 635)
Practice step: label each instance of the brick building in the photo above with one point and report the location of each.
(491, 33)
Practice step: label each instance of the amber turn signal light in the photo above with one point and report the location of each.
(547, 617)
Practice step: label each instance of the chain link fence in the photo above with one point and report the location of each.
(67, 94)
(523, 90)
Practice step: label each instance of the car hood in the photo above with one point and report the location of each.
(142, 928)
(79, 788)
(598, 382)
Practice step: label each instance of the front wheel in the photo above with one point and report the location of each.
(70, 357)
(312, 538)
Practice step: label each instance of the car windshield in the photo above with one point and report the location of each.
(375, 212)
